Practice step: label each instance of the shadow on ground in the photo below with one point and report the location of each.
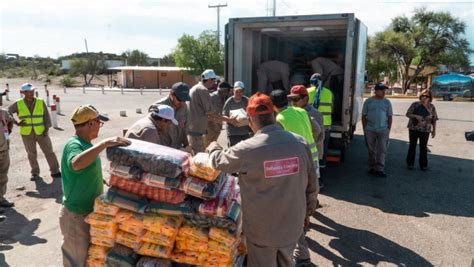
(45, 190)
(360, 246)
(446, 188)
(17, 229)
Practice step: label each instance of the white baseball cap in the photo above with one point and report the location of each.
(27, 87)
(164, 111)
(208, 74)
(239, 85)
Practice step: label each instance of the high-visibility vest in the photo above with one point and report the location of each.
(296, 120)
(325, 103)
(33, 121)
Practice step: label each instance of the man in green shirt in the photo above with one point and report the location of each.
(81, 181)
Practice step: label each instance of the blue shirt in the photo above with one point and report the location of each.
(376, 112)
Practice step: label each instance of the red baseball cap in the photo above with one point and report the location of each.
(260, 101)
(298, 90)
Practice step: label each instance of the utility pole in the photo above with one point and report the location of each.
(85, 41)
(218, 6)
(274, 8)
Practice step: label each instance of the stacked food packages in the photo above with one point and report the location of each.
(164, 206)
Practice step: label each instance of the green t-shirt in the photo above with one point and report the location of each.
(80, 188)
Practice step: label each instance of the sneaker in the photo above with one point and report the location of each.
(303, 262)
(381, 174)
(35, 177)
(2, 218)
(410, 167)
(56, 175)
(6, 204)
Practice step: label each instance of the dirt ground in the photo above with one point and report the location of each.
(411, 218)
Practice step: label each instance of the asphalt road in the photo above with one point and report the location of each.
(411, 218)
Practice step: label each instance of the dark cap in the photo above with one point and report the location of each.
(279, 98)
(380, 86)
(224, 86)
(259, 104)
(181, 91)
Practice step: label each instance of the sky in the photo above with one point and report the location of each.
(57, 28)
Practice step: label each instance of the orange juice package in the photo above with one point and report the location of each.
(201, 167)
(133, 225)
(104, 208)
(99, 231)
(94, 263)
(103, 241)
(188, 257)
(97, 252)
(100, 220)
(158, 239)
(192, 232)
(223, 236)
(163, 224)
(216, 248)
(123, 215)
(191, 244)
(127, 239)
(153, 250)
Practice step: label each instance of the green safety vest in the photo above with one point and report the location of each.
(296, 120)
(33, 121)
(325, 103)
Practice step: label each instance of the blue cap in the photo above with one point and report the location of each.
(27, 87)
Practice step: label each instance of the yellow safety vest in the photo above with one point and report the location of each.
(325, 103)
(296, 120)
(33, 121)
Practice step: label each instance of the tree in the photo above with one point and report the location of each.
(199, 54)
(167, 60)
(136, 58)
(88, 67)
(427, 39)
(379, 65)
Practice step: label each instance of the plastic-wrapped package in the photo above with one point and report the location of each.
(186, 207)
(100, 206)
(127, 239)
(158, 181)
(121, 256)
(204, 221)
(153, 250)
(100, 220)
(97, 252)
(153, 262)
(158, 239)
(172, 196)
(202, 189)
(234, 210)
(201, 167)
(133, 224)
(216, 248)
(191, 232)
(163, 224)
(94, 263)
(125, 200)
(240, 115)
(101, 231)
(123, 215)
(124, 171)
(103, 241)
(152, 158)
(189, 257)
(220, 205)
(223, 236)
(217, 260)
(183, 243)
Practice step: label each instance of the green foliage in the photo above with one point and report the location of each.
(136, 58)
(88, 67)
(67, 81)
(31, 67)
(379, 65)
(168, 60)
(427, 39)
(200, 53)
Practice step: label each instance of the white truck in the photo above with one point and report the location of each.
(297, 40)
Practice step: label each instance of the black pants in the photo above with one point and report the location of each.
(414, 136)
(234, 139)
